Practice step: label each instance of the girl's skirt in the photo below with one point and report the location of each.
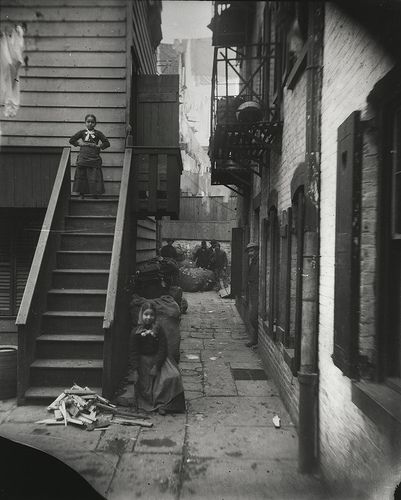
(163, 391)
(88, 177)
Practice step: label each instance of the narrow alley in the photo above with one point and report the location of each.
(225, 447)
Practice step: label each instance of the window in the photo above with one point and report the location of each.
(19, 235)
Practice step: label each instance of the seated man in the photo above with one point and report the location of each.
(202, 256)
(168, 250)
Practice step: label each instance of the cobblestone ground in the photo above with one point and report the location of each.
(224, 447)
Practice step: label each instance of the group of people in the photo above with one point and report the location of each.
(212, 257)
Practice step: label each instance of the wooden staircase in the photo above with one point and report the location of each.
(70, 346)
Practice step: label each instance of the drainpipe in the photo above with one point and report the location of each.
(307, 375)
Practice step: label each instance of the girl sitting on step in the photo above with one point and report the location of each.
(156, 377)
(88, 174)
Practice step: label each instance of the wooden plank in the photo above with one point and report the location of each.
(142, 244)
(196, 231)
(79, 13)
(71, 99)
(65, 114)
(60, 72)
(73, 44)
(145, 234)
(43, 141)
(60, 3)
(157, 120)
(70, 29)
(37, 84)
(57, 129)
(85, 59)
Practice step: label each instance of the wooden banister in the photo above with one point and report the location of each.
(38, 259)
(116, 254)
(116, 322)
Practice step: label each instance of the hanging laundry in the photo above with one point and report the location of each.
(11, 59)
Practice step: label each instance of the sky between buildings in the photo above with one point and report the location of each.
(186, 19)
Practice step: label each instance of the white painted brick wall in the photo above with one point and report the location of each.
(350, 445)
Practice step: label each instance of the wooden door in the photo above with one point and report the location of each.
(157, 111)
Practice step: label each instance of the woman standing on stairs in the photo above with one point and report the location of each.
(88, 174)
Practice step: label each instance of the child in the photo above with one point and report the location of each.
(88, 174)
(156, 377)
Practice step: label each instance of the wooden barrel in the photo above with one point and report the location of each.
(8, 371)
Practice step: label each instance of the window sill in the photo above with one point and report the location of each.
(380, 403)
(298, 68)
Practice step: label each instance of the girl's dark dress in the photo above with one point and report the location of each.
(88, 174)
(165, 390)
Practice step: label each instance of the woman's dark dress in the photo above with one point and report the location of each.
(88, 174)
(165, 390)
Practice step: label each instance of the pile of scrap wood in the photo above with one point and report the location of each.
(83, 407)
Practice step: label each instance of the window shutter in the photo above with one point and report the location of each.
(5, 267)
(347, 245)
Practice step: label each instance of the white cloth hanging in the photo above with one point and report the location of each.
(11, 59)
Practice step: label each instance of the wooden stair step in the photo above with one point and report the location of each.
(76, 299)
(76, 291)
(81, 271)
(51, 392)
(80, 278)
(75, 314)
(76, 259)
(70, 337)
(87, 364)
(69, 345)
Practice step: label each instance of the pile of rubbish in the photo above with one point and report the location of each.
(156, 278)
(80, 406)
(196, 279)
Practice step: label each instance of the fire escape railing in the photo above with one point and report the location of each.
(244, 125)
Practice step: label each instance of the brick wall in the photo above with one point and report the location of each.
(353, 63)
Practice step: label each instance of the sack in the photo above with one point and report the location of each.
(168, 315)
(184, 305)
(176, 293)
(196, 279)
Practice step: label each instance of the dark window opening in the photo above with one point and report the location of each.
(19, 236)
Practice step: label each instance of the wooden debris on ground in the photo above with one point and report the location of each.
(82, 407)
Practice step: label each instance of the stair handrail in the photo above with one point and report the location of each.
(39, 258)
(116, 254)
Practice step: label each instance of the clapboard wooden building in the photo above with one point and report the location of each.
(64, 262)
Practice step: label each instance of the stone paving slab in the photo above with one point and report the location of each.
(118, 439)
(167, 435)
(257, 443)
(241, 479)
(146, 476)
(252, 388)
(218, 378)
(49, 438)
(237, 411)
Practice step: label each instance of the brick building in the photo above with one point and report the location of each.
(310, 143)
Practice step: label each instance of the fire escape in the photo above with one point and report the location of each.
(244, 127)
